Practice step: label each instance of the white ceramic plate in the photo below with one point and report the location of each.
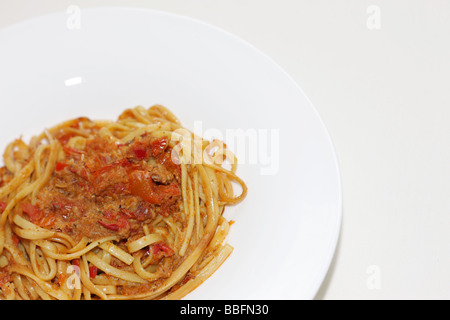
(99, 62)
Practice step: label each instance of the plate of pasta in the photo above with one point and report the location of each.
(152, 156)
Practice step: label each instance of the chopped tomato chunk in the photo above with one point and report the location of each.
(158, 146)
(140, 153)
(162, 247)
(76, 262)
(93, 270)
(60, 166)
(110, 226)
(143, 186)
(37, 216)
(33, 212)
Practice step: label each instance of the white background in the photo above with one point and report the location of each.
(382, 87)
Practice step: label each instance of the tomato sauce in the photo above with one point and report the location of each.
(108, 188)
